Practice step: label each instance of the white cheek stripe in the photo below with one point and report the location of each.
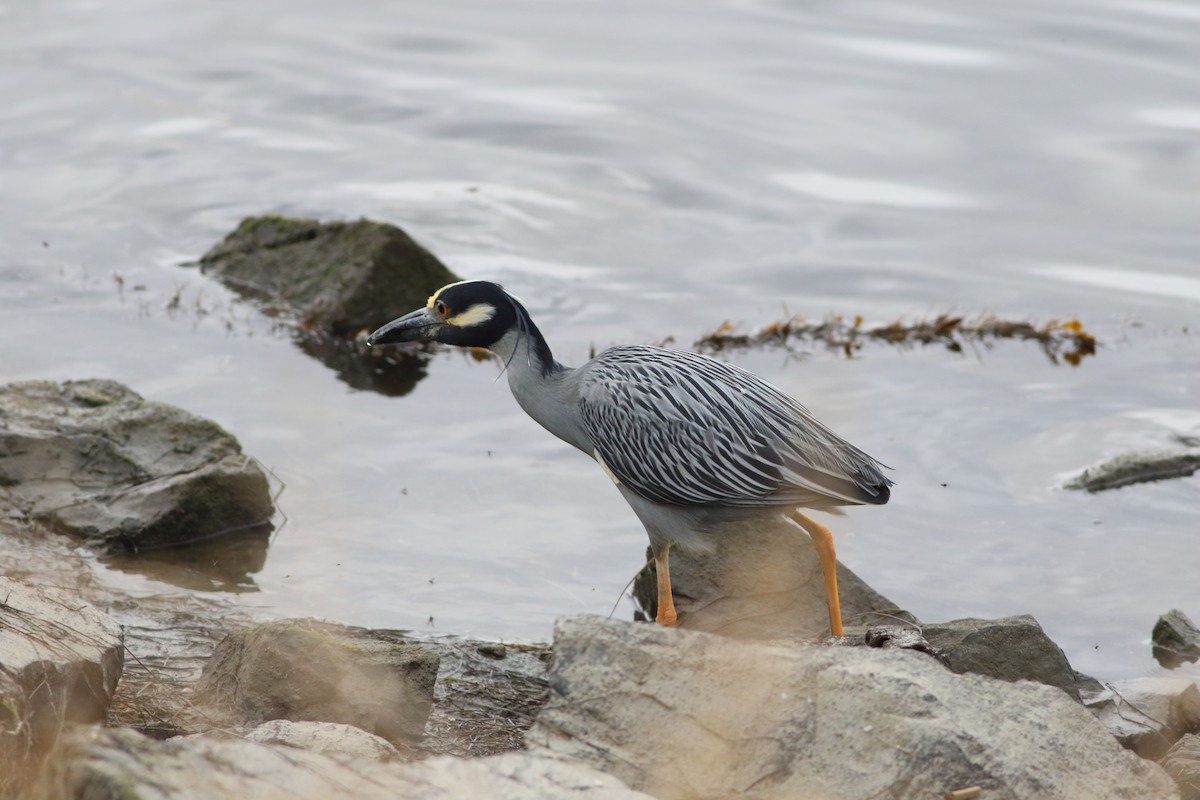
(475, 315)
(603, 466)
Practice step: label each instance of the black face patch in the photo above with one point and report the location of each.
(469, 303)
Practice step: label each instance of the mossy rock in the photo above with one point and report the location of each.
(334, 282)
(336, 277)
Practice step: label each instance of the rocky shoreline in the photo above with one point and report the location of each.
(184, 697)
(298, 708)
(103, 695)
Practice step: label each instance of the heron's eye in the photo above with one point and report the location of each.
(441, 308)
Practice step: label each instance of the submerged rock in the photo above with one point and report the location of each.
(1011, 649)
(680, 714)
(1176, 639)
(1139, 467)
(310, 670)
(94, 459)
(337, 281)
(60, 660)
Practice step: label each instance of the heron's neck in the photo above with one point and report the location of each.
(542, 386)
(524, 348)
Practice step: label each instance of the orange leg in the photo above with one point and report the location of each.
(822, 540)
(666, 604)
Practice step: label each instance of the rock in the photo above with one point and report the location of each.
(1010, 648)
(1182, 763)
(1176, 639)
(1138, 467)
(343, 276)
(680, 714)
(324, 737)
(60, 660)
(93, 459)
(898, 637)
(120, 764)
(1148, 715)
(338, 281)
(310, 670)
(486, 697)
(762, 581)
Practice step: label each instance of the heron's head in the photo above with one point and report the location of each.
(467, 314)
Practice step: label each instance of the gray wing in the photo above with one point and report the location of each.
(683, 429)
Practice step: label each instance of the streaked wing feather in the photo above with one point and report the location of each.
(684, 429)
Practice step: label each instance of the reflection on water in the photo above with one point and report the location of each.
(220, 564)
(392, 371)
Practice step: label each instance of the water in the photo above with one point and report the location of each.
(635, 172)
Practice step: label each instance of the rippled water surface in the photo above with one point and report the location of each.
(639, 171)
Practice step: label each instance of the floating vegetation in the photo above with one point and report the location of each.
(1067, 340)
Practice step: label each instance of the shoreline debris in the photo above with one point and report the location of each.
(1065, 340)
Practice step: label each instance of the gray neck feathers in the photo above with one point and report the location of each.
(547, 392)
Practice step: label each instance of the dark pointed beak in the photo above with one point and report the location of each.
(421, 324)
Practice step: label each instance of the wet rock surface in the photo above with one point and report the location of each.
(94, 459)
(681, 714)
(318, 671)
(1176, 639)
(1010, 649)
(334, 282)
(60, 660)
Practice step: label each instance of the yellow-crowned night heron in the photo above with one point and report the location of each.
(690, 442)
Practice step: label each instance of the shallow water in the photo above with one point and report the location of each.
(637, 172)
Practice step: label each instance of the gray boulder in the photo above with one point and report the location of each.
(1148, 715)
(93, 459)
(1176, 639)
(762, 581)
(120, 764)
(1010, 648)
(311, 670)
(60, 660)
(680, 714)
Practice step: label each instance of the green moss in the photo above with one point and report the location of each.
(252, 224)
